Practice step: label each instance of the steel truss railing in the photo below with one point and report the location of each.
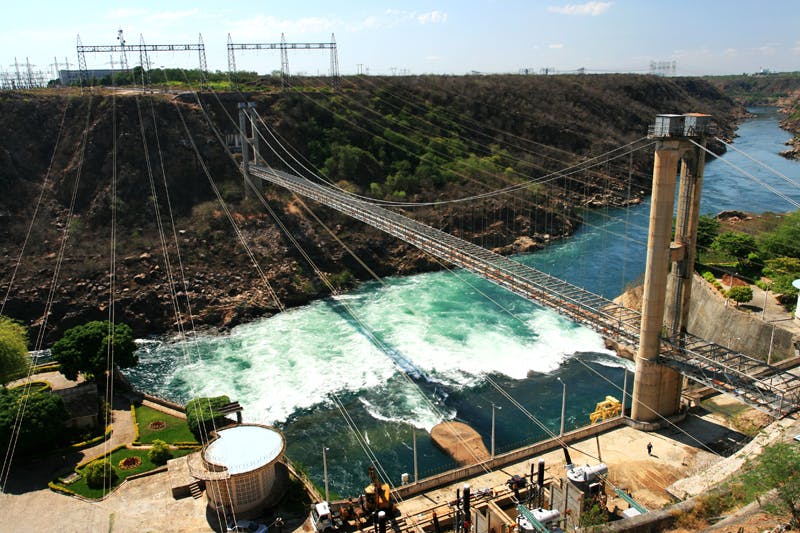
(762, 386)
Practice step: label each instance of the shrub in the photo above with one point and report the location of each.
(159, 454)
(202, 415)
(41, 429)
(100, 474)
(14, 360)
(709, 277)
(741, 294)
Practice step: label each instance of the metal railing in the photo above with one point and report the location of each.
(762, 386)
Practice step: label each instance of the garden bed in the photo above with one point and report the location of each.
(154, 424)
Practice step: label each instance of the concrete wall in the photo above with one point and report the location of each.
(712, 320)
(514, 456)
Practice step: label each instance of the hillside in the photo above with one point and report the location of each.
(781, 90)
(399, 139)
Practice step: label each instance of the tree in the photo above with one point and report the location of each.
(14, 358)
(100, 474)
(160, 453)
(707, 231)
(784, 240)
(735, 244)
(202, 415)
(351, 163)
(42, 419)
(87, 348)
(741, 294)
(778, 468)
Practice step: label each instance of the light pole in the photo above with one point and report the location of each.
(325, 472)
(493, 408)
(563, 404)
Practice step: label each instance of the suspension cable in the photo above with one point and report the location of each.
(751, 176)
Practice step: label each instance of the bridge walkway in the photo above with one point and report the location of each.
(762, 386)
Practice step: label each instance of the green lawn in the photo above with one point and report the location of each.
(176, 429)
(80, 486)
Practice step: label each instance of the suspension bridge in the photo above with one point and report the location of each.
(752, 381)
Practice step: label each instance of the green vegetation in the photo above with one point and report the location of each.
(594, 516)
(757, 89)
(160, 453)
(81, 486)
(202, 416)
(735, 244)
(86, 349)
(771, 257)
(707, 231)
(778, 467)
(741, 294)
(14, 359)
(42, 426)
(175, 430)
(784, 240)
(176, 78)
(100, 474)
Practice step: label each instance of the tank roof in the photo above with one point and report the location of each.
(245, 447)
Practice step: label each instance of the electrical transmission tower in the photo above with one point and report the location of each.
(123, 48)
(284, 48)
(663, 68)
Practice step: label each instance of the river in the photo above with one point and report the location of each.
(313, 372)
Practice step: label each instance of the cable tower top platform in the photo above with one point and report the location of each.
(686, 125)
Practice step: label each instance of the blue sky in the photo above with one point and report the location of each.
(443, 37)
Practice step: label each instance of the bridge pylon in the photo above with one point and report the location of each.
(249, 141)
(670, 260)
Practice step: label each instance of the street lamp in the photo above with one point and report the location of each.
(563, 404)
(325, 472)
(493, 408)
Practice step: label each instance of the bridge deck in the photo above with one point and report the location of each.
(762, 386)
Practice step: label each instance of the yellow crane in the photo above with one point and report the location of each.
(608, 408)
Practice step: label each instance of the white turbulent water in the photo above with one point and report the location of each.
(434, 323)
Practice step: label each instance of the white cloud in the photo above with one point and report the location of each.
(555, 46)
(796, 49)
(730, 52)
(270, 28)
(388, 19)
(589, 8)
(767, 49)
(392, 18)
(434, 17)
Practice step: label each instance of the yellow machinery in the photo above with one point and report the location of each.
(608, 408)
(377, 494)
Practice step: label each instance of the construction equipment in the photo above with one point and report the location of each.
(608, 408)
(327, 517)
(377, 494)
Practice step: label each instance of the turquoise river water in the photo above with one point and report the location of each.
(294, 370)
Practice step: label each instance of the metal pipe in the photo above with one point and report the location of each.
(325, 472)
(563, 405)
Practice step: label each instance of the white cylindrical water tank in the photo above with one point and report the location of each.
(796, 285)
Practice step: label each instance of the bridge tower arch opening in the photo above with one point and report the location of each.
(670, 259)
(249, 142)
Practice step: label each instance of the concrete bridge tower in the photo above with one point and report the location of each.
(248, 133)
(670, 260)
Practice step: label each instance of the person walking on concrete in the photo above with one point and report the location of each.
(649, 448)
